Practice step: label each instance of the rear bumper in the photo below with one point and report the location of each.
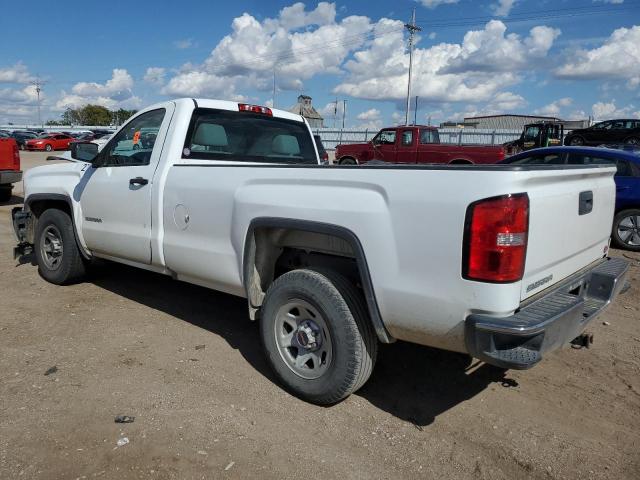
(548, 322)
(10, 176)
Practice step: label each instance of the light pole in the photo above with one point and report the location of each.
(413, 28)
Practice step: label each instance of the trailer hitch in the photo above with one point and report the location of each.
(584, 340)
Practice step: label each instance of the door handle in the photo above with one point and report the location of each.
(138, 181)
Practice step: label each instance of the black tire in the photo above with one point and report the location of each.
(576, 141)
(627, 221)
(5, 193)
(48, 147)
(632, 141)
(348, 161)
(70, 267)
(353, 339)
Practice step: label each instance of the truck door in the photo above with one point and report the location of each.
(407, 150)
(384, 146)
(115, 196)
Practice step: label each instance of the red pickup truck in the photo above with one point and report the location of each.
(9, 167)
(415, 144)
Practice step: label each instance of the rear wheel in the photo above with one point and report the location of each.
(626, 229)
(5, 193)
(348, 161)
(632, 141)
(317, 336)
(576, 141)
(57, 253)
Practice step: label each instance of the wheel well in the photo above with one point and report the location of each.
(460, 161)
(37, 208)
(271, 251)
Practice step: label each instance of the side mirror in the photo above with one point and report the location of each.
(84, 151)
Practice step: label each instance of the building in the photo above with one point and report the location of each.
(304, 108)
(513, 122)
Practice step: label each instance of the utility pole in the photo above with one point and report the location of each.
(335, 113)
(38, 84)
(415, 112)
(344, 111)
(413, 28)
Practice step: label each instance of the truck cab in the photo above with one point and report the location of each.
(537, 135)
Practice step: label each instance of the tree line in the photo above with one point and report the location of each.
(93, 115)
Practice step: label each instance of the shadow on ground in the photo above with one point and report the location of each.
(14, 200)
(411, 382)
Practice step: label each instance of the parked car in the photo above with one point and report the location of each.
(626, 223)
(333, 260)
(611, 131)
(10, 172)
(322, 153)
(21, 137)
(415, 144)
(49, 142)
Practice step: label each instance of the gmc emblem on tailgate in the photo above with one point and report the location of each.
(539, 283)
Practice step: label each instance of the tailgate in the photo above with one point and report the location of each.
(570, 218)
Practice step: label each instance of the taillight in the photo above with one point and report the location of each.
(325, 157)
(495, 239)
(244, 107)
(16, 157)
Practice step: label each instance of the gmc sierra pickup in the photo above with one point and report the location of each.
(333, 260)
(415, 144)
(10, 172)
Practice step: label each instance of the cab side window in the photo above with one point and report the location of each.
(386, 137)
(132, 146)
(429, 136)
(407, 138)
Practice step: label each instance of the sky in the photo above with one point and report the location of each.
(568, 58)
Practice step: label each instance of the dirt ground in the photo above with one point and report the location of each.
(187, 363)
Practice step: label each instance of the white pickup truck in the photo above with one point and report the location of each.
(506, 263)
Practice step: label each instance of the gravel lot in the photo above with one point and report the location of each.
(187, 363)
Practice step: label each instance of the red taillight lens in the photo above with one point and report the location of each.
(496, 239)
(243, 107)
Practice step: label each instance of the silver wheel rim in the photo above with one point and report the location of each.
(576, 141)
(629, 230)
(51, 247)
(632, 141)
(303, 339)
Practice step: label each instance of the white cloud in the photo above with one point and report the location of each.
(114, 93)
(437, 3)
(503, 7)
(184, 43)
(554, 109)
(507, 102)
(370, 119)
(447, 72)
(26, 95)
(617, 58)
(432, 35)
(155, 75)
(614, 2)
(607, 110)
(252, 51)
(17, 73)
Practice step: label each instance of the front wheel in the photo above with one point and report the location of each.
(59, 259)
(317, 336)
(48, 147)
(576, 141)
(626, 230)
(632, 141)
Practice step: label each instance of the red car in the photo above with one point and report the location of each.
(52, 141)
(10, 172)
(415, 144)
